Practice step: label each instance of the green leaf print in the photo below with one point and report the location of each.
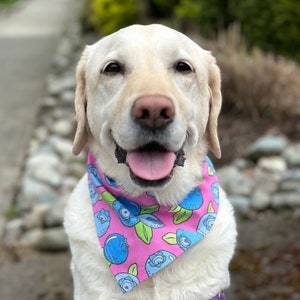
(175, 208)
(149, 209)
(182, 216)
(133, 270)
(109, 198)
(144, 232)
(170, 238)
(210, 171)
(210, 208)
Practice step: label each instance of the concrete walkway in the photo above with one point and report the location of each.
(29, 35)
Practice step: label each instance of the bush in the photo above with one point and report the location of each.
(258, 84)
(271, 25)
(108, 16)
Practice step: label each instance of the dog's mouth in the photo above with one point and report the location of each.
(151, 164)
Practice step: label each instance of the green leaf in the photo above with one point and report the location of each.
(144, 232)
(109, 198)
(133, 270)
(210, 171)
(170, 238)
(210, 208)
(175, 208)
(182, 216)
(149, 209)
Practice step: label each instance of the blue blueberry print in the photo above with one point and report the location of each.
(111, 182)
(116, 249)
(216, 192)
(158, 261)
(93, 193)
(193, 201)
(134, 208)
(151, 221)
(186, 239)
(184, 210)
(94, 175)
(206, 223)
(102, 221)
(126, 281)
(125, 215)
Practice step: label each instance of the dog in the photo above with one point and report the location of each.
(147, 102)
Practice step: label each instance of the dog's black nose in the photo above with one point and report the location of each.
(154, 111)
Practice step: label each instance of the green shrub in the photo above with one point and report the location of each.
(257, 84)
(208, 16)
(161, 8)
(108, 16)
(6, 3)
(271, 25)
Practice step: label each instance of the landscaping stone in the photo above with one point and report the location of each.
(241, 204)
(54, 239)
(260, 200)
(288, 199)
(235, 182)
(267, 146)
(292, 156)
(274, 164)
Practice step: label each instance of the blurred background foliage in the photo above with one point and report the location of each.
(257, 44)
(6, 3)
(271, 25)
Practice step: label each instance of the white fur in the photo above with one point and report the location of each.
(103, 107)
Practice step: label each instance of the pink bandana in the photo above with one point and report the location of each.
(138, 236)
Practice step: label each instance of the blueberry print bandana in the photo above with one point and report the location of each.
(138, 236)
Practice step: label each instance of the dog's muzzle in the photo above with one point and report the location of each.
(150, 165)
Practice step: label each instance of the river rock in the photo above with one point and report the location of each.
(54, 215)
(63, 146)
(57, 85)
(62, 128)
(43, 158)
(49, 102)
(47, 175)
(266, 181)
(241, 204)
(292, 156)
(286, 199)
(33, 193)
(54, 239)
(267, 146)
(68, 97)
(235, 182)
(260, 199)
(290, 181)
(35, 219)
(273, 164)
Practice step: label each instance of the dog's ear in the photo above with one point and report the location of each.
(81, 134)
(214, 82)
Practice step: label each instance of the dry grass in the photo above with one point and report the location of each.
(257, 84)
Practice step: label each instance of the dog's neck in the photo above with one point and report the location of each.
(161, 233)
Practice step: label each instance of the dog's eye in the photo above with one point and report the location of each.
(112, 68)
(183, 67)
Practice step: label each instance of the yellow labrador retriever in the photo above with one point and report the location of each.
(149, 220)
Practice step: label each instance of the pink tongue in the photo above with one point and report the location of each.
(151, 165)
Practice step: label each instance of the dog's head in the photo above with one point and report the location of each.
(147, 102)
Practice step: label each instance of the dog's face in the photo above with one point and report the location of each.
(147, 103)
